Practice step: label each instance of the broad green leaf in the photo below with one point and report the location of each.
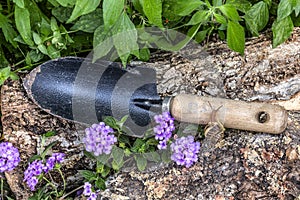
(62, 14)
(53, 52)
(36, 38)
(236, 37)
(4, 74)
(230, 12)
(112, 10)
(241, 5)
(22, 19)
(13, 76)
(138, 143)
(35, 14)
(144, 54)
(103, 158)
(19, 3)
(219, 18)
(152, 156)
(153, 11)
(166, 155)
(8, 31)
(88, 23)
(83, 7)
(199, 17)
(297, 8)
(50, 134)
(186, 7)
(257, 17)
(66, 3)
(117, 154)
(100, 184)
(125, 38)
(201, 35)
(102, 43)
(45, 28)
(282, 30)
(43, 49)
(141, 162)
(284, 9)
(216, 3)
(88, 175)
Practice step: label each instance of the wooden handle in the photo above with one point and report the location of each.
(252, 116)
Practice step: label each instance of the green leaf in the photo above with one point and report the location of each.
(236, 37)
(199, 17)
(153, 11)
(152, 156)
(90, 22)
(219, 18)
(89, 155)
(138, 6)
(88, 175)
(257, 17)
(186, 7)
(62, 14)
(9, 33)
(284, 9)
(112, 10)
(118, 155)
(47, 148)
(100, 184)
(82, 8)
(53, 52)
(141, 162)
(4, 74)
(102, 43)
(138, 143)
(125, 38)
(50, 134)
(34, 157)
(166, 155)
(103, 158)
(297, 8)
(66, 3)
(201, 35)
(216, 3)
(19, 3)
(36, 38)
(230, 12)
(122, 121)
(144, 54)
(282, 30)
(22, 19)
(241, 5)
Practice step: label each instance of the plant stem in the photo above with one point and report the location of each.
(52, 185)
(2, 196)
(61, 198)
(63, 178)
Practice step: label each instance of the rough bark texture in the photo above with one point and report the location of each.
(247, 166)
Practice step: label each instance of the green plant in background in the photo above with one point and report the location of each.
(33, 31)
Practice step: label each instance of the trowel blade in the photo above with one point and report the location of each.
(79, 90)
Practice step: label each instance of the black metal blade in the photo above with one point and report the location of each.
(79, 90)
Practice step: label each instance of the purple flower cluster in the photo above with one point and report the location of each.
(185, 150)
(163, 131)
(36, 168)
(9, 157)
(87, 191)
(98, 140)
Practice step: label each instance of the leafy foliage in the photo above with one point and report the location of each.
(33, 31)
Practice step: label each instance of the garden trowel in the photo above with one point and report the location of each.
(79, 90)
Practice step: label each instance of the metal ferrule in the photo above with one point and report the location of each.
(166, 104)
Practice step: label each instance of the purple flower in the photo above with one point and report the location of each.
(51, 161)
(87, 189)
(93, 196)
(9, 157)
(185, 150)
(30, 175)
(163, 131)
(98, 140)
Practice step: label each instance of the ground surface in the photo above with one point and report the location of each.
(247, 166)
